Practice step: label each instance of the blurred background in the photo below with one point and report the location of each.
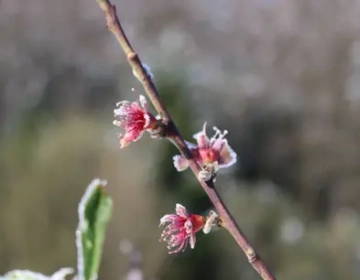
(282, 76)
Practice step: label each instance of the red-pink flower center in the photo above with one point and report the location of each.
(197, 222)
(208, 155)
(136, 119)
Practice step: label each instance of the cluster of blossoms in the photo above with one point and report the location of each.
(211, 154)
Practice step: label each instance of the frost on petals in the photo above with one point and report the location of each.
(209, 151)
(134, 118)
(181, 229)
(147, 71)
(180, 163)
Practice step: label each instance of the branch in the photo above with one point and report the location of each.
(229, 222)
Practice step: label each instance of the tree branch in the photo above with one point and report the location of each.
(229, 222)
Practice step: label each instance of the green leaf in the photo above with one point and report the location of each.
(30, 275)
(95, 210)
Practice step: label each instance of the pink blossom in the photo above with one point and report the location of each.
(214, 151)
(181, 230)
(134, 118)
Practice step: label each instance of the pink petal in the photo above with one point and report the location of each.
(124, 143)
(180, 163)
(219, 144)
(167, 218)
(192, 241)
(188, 226)
(122, 108)
(227, 156)
(133, 135)
(202, 139)
(182, 243)
(181, 211)
(143, 102)
(147, 120)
